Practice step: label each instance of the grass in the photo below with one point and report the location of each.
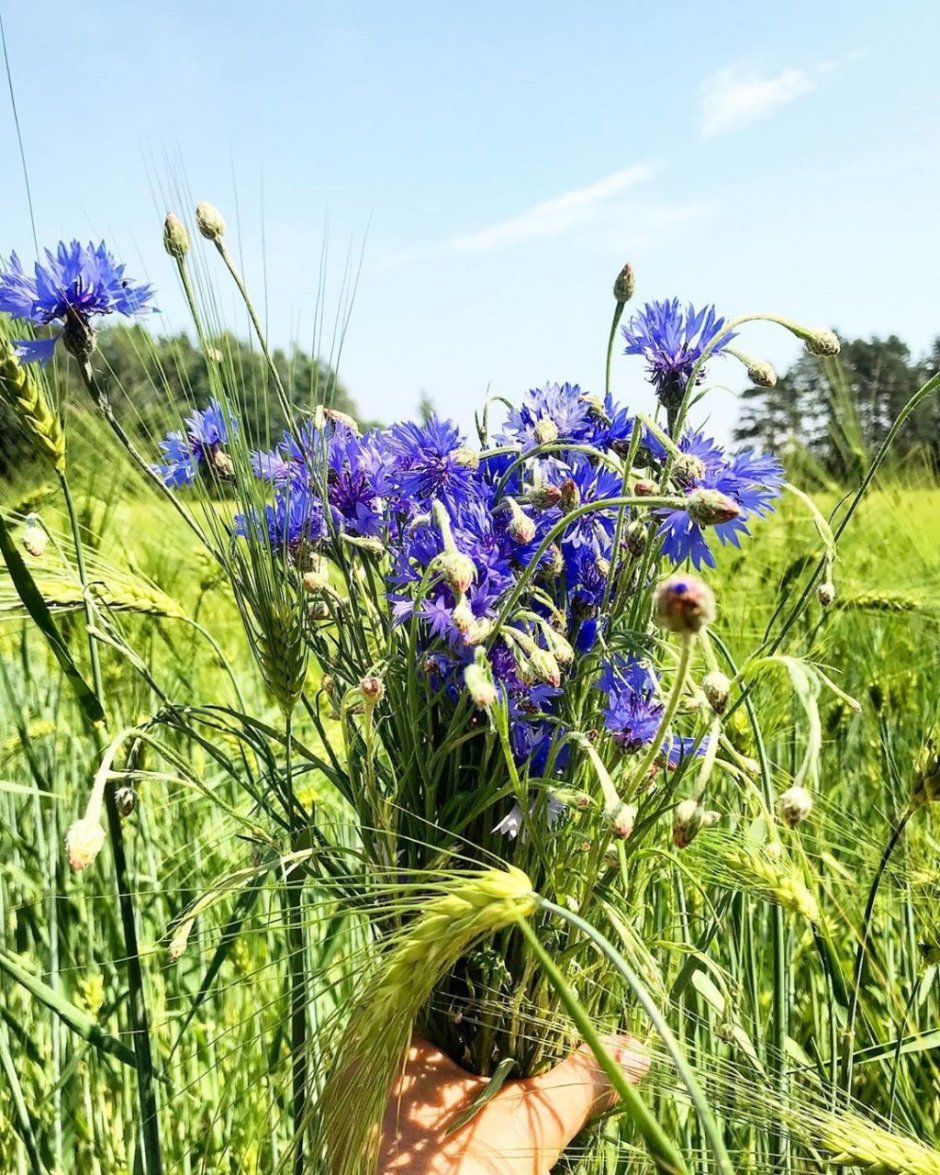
(701, 929)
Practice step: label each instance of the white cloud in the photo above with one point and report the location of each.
(552, 217)
(736, 96)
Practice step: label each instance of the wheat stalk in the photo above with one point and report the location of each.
(26, 396)
(376, 1038)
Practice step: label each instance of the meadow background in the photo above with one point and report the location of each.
(506, 164)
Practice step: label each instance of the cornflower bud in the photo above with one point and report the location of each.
(684, 604)
(688, 469)
(621, 819)
(823, 342)
(84, 841)
(543, 497)
(222, 463)
(546, 431)
(209, 221)
(478, 679)
(467, 457)
(175, 237)
(521, 527)
(826, 593)
(322, 416)
(372, 689)
(545, 667)
(711, 507)
(645, 487)
(717, 690)
(553, 562)
(687, 819)
(560, 646)
(478, 631)
(636, 537)
(317, 576)
(125, 799)
(35, 539)
(761, 374)
(625, 285)
(462, 615)
(595, 405)
(570, 496)
(795, 805)
(457, 570)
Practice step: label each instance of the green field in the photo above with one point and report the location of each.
(223, 1060)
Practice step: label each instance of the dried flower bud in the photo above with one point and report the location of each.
(478, 679)
(35, 539)
(478, 631)
(684, 604)
(826, 593)
(457, 570)
(823, 342)
(645, 487)
(761, 374)
(372, 689)
(521, 527)
(175, 237)
(687, 819)
(795, 805)
(125, 800)
(711, 507)
(621, 819)
(717, 690)
(570, 496)
(209, 221)
(83, 842)
(546, 431)
(625, 285)
(636, 537)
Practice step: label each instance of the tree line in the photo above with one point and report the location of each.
(839, 410)
(153, 383)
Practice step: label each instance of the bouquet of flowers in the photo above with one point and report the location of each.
(499, 657)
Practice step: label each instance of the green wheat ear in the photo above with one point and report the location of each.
(853, 1142)
(376, 1038)
(25, 395)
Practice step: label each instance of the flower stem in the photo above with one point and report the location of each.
(137, 1004)
(297, 975)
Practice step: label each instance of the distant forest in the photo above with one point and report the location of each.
(834, 411)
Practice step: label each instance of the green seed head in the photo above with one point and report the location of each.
(761, 374)
(823, 343)
(175, 237)
(209, 221)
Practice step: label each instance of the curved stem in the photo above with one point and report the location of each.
(618, 314)
(146, 1089)
(862, 951)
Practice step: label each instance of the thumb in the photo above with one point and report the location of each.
(564, 1099)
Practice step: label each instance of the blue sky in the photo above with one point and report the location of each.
(499, 162)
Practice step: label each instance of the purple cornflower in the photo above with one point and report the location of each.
(76, 284)
(672, 340)
(430, 461)
(634, 712)
(295, 519)
(750, 480)
(201, 444)
(557, 413)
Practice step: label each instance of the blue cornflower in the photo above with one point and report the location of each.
(554, 414)
(76, 284)
(752, 481)
(430, 461)
(294, 519)
(634, 711)
(201, 444)
(672, 340)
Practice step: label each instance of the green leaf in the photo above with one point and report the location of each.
(86, 1026)
(36, 606)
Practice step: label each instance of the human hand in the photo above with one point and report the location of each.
(523, 1130)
